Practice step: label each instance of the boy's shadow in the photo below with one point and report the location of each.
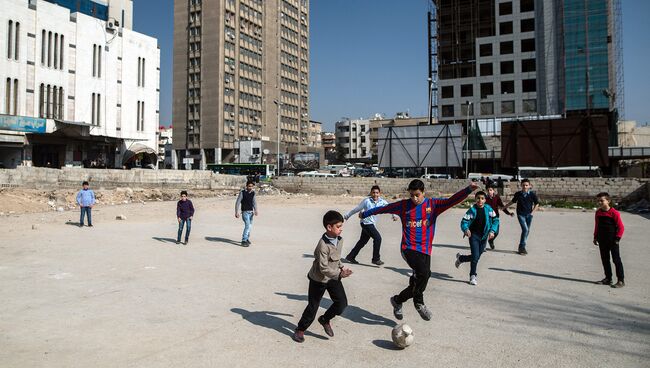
(464, 247)
(222, 240)
(164, 240)
(271, 320)
(353, 313)
(73, 223)
(434, 275)
(343, 260)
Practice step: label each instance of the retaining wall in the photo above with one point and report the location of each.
(38, 177)
(621, 189)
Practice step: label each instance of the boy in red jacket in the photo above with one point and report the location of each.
(607, 235)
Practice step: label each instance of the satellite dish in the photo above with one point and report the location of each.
(266, 151)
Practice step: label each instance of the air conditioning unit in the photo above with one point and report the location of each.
(232, 114)
(112, 25)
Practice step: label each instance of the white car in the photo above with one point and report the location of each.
(436, 176)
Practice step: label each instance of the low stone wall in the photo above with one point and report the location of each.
(621, 189)
(44, 178)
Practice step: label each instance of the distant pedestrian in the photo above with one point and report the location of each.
(86, 201)
(326, 274)
(479, 224)
(368, 229)
(607, 236)
(494, 200)
(527, 203)
(184, 213)
(247, 206)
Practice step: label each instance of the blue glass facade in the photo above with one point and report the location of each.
(87, 7)
(585, 33)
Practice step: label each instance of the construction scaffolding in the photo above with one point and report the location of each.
(432, 37)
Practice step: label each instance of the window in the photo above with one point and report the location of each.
(41, 101)
(92, 111)
(61, 110)
(61, 53)
(527, 25)
(485, 49)
(507, 87)
(526, 5)
(10, 28)
(528, 65)
(486, 69)
(487, 89)
(447, 92)
(56, 51)
(487, 108)
(505, 28)
(139, 83)
(505, 8)
(447, 110)
(94, 65)
(529, 85)
(529, 105)
(507, 107)
(528, 45)
(141, 69)
(43, 47)
(506, 47)
(98, 120)
(49, 49)
(139, 121)
(466, 90)
(143, 73)
(15, 97)
(507, 67)
(8, 97)
(17, 43)
(99, 63)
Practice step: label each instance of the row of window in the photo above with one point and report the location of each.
(97, 61)
(140, 117)
(52, 49)
(525, 25)
(96, 109)
(13, 42)
(507, 87)
(487, 108)
(51, 102)
(11, 97)
(507, 47)
(505, 8)
(507, 67)
(141, 69)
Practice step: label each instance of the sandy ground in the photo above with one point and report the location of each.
(122, 294)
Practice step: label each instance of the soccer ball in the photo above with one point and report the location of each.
(402, 336)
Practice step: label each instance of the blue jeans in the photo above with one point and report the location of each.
(247, 216)
(87, 212)
(477, 246)
(181, 225)
(524, 221)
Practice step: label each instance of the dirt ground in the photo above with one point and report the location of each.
(122, 294)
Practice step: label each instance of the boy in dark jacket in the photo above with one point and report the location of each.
(247, 206)
(326, 273)
(607, 235)
(494, 200)
(184, 213)
(479, 224)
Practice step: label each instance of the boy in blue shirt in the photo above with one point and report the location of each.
(479, 224)
(86, 201)
(527, 203)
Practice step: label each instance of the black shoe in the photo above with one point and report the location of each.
(81, 225)
(351, 260)
(619, 284)
(90, 225)
(327, 326)
(604, 281)
(491, 244)
(185, 243)
(298, 336)
(378, 262)
(397, 308)
(178, 241)
(522, 251)
(248, 242)
(244, 243)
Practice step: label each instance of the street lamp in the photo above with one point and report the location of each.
(279, 104)
(467, 151)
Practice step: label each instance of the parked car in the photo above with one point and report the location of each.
(436, 176)
(363, 172)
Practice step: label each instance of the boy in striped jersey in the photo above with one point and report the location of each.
(418, 215)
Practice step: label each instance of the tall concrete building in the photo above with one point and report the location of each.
(353, 139)
(514, 58)
(240, 66)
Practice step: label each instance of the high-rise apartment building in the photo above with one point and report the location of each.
(240, 68)
(514, 58)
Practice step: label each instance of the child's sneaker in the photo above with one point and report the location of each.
(457, 264)
(425, 313)
(619, 284)
(298, 336)
(472, 280)
(351, 260)
(491, 242)
(244, 243)
(397, 308)
(327, 326)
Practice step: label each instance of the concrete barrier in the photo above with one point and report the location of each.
(38, 177)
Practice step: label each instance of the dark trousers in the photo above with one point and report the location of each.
(420, 263)
(477, 246)
(181, 225)
(88, 212)
(607, 246)
(316, 291)
(367, 232)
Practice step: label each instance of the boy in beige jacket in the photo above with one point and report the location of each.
(326, 273)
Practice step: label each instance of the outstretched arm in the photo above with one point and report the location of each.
(394, 208)
(443, 204)
(356, 209)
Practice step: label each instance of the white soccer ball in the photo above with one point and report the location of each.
(402, 335)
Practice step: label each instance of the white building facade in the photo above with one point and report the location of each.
(78, 89)
(353, 139)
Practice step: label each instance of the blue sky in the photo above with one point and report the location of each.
(370, 56)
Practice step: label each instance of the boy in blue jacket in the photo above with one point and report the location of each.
(479, 224)
(86, 201)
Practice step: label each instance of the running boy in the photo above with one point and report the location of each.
(607, 235)
(184, 214)
(326, 273)
(86, 201)
(527, 203)
(418, 215)
(494, 200)
(479, 224)
(246, 199)
(368, 229)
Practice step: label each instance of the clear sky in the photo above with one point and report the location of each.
(370, 56)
